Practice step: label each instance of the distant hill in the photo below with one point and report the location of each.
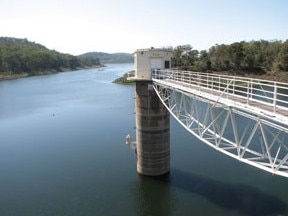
(105, 58)
(20, 57)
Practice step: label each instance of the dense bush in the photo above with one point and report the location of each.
(253, 57)
(21, 56)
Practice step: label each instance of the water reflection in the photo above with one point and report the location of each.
(156, 198)
(245, 199)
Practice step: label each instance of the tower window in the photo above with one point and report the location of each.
(167, 64)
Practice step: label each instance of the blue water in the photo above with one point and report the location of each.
(63, 152)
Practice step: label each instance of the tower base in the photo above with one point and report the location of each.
(152, 131)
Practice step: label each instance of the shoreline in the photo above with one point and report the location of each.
(123, 79)
(10, 76)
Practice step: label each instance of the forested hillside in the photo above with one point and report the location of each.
(250, 57)
(20, 56)
(111, 57)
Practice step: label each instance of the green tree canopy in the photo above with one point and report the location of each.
(21, 56)
(252, 57)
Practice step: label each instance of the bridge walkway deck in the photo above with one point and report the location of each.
(258, 107)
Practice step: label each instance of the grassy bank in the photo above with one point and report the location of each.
(9, 76)
(124, 79)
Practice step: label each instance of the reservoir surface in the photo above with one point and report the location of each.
(63, 152)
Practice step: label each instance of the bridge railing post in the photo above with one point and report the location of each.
(227, 88)
(275, 97)
(212, 84)
(207, 80)
(219, 83)
(233, 86)
(248, 92)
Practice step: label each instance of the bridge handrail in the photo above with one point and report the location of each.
(272, 93)
(260, 140)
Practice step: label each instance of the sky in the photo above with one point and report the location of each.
(80, 26)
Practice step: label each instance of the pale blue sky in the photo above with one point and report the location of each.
(79, 26)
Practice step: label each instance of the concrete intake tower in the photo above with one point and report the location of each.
(152, 117)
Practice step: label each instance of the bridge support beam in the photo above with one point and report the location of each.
(152, 131)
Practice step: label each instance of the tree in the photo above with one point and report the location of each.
(204, 63)
(236, 55)
(185, 57)
(283, 56)
(219, 57)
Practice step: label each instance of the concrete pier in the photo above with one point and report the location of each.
(152, 131)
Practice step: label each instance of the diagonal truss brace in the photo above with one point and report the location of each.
(239, 134)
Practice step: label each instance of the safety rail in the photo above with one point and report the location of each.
(270, 93)
(244, 118)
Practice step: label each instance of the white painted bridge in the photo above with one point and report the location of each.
(244, 118)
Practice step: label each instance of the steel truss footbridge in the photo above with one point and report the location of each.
(244, 118)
